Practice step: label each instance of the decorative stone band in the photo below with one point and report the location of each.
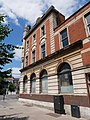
(68, 99)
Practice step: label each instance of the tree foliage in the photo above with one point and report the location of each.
(3, 84)
(12, 87)
(6, 50)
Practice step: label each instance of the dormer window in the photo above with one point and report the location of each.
(42, 30)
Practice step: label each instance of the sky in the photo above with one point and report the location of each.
(25, 12)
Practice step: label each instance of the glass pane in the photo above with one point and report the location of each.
(65, 42)
(43, 30)
(27, 44)
(33, 56)
(25, 87)
(33, 86)
(64, 79)
(43, 51)
(43, 47)
(88, 19)
(26, 60)
(67, 89)
(65, 68)
(64, 34)
(89, 27)
(43, 54)
(34, 38)
(44, 85)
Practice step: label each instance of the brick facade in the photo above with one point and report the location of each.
(67, 42)
(75, 33)
(48, 37)
(37, 44)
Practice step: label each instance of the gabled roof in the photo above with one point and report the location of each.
(73, 15)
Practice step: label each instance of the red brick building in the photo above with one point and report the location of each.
(56, 60)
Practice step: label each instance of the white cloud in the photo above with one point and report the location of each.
(16, 72)
(18, 54)
(31, 9)
(6, 10)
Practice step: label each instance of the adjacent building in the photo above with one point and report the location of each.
(56, 60)
(14, 81)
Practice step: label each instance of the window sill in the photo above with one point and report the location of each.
(24, 93)
(32, 93)
(42, 36)
(66, 93)
(33, 45)
(44, 93)
(27, 50)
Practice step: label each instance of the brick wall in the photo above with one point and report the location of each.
(37, 44)
(30, 47)
(57, 42)
(86, 51)
(76, 31)
(48, 50)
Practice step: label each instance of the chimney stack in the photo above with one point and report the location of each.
(26, 30)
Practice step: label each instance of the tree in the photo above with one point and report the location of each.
(3, 84)
(12, 87)
(6, 50)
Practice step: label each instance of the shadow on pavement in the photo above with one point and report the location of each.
(11, 117)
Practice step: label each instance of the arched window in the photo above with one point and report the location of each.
(44, 81)
(65, 78)
(33, 83)
(25, 81)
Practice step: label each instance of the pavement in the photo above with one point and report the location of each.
(12, 109)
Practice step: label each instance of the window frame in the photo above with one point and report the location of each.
(33, 56)
(33, 82)
(87, 24)
(66, 38)
(42, 30)
(26, 61)
(25, 83)
(43, 51)
(34, 39)
(27, 44)
(65, 80)
(44, 82)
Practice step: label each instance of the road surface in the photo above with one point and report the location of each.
(12, 109)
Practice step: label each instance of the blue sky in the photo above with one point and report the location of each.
(23, 12)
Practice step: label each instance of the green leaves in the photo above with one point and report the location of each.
(5, 74)
(12, 87)
(6, 50)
